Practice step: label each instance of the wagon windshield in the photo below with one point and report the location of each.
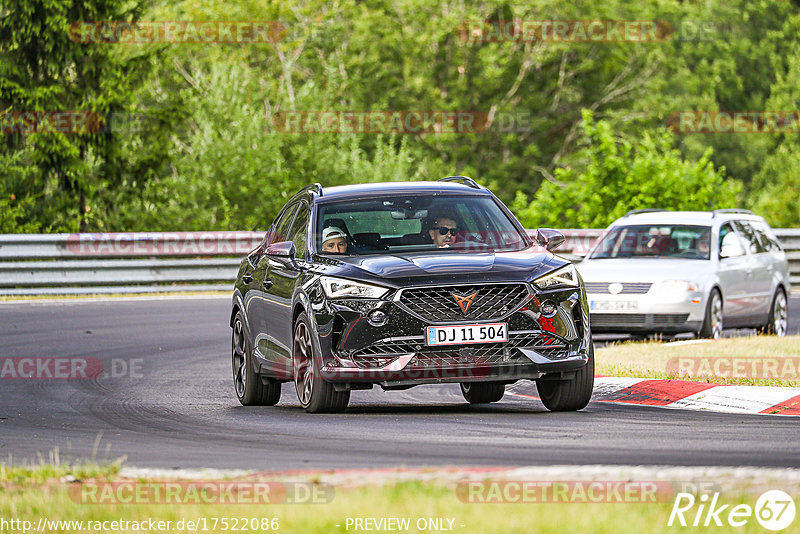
(655, 241)
(395, 224)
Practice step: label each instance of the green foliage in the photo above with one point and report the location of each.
(779, 200)
(239, 176)
(205, 155)
(622, 175)
(56, 175)
(776, 186)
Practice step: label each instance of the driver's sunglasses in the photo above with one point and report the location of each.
(443, 230)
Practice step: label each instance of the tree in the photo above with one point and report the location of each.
(55, 175)
(620, 176)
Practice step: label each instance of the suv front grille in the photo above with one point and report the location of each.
(438, 304)
(628, 288)
(383, 352)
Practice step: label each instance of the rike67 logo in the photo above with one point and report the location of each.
(774, 510)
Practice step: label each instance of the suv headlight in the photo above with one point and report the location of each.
(563, 277)
(674, 286)
(339, 288)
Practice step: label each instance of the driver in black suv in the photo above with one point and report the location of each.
(443, 231)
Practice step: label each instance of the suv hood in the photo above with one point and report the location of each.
(444, 266)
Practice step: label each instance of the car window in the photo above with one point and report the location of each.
(730, 245)
(376, 221)
(655, 241)
(749, 237)
(299, 232)
(764, 233)
(405, 223)
(280, 228)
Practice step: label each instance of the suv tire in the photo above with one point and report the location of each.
(249, 386)
(482, 392)
(569, 395)
(315, 394)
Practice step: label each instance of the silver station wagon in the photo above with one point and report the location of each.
(658, 271)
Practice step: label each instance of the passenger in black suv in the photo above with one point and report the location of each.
(334, 240)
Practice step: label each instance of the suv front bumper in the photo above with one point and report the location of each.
(407, 370)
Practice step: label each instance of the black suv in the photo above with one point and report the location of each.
(407, 283)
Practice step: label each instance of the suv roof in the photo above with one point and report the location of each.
(398, 188)
(704, 218)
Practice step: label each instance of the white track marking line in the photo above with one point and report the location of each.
(685, 342)
(736, 399)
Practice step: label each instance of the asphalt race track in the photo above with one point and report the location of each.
(175, 407)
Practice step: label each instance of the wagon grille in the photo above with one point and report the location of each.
(628, 288)
(637, 319)
(438, 304)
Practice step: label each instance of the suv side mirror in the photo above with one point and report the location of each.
(549, 238)
(282, 249)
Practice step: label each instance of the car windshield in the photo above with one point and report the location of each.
(395, 224)
(655, 241)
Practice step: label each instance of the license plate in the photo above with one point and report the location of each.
(467, 333)
(613, 305)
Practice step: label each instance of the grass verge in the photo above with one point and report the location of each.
(752, 361)
(39, 494)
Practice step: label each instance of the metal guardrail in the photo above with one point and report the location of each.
(41, 264)
(33, 264)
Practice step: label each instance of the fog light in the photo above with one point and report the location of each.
(548, 308)
(377, 318)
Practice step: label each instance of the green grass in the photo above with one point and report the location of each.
(54, 469)
(650, 359)
(35, 492)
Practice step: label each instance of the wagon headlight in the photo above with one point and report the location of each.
(674, 286)
(339, 288)
(563, 277)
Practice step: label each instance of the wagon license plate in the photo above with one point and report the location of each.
(467, 333)
(613, 305)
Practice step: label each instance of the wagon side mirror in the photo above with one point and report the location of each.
(731, 247)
